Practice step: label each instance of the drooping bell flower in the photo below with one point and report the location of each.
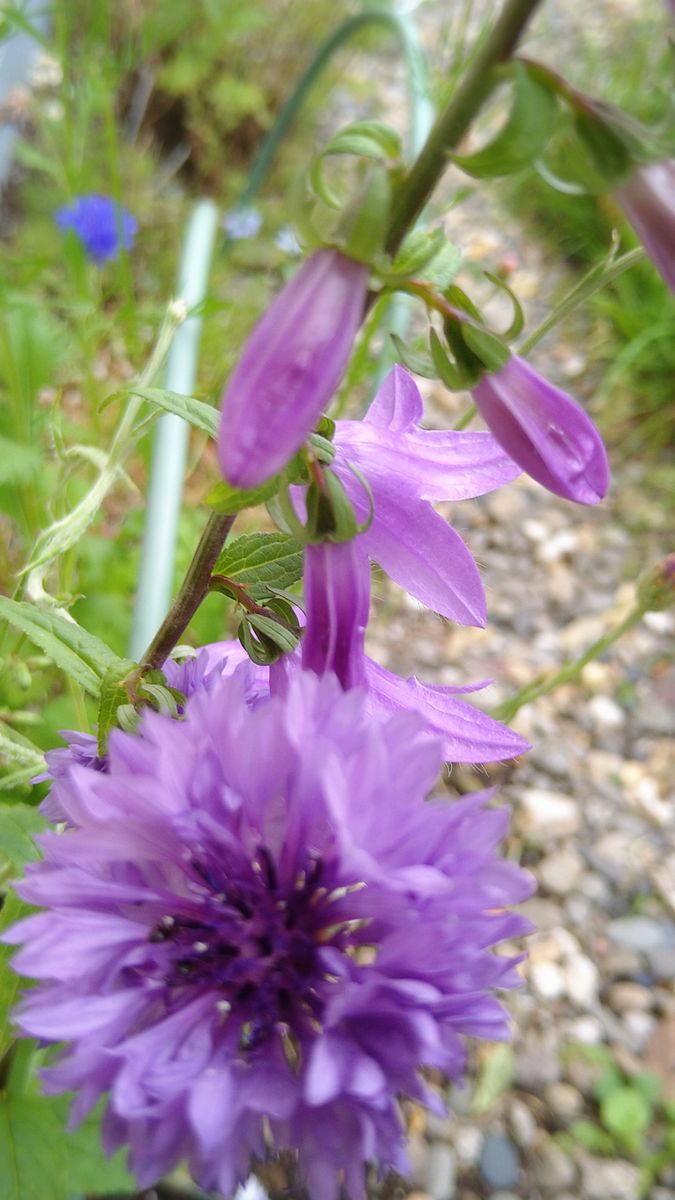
(101, 225)
(407, 468)
(337, 599)
(290, 367)
(648, 201)
(544, 430)
(256, 931)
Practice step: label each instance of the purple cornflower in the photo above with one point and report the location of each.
(406, 468)
(545, 431)
(103, 226)
(648, 200)
(257, 915)
(290, 367)
(337, 597)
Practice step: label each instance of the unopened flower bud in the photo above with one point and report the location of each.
(656, 588)
(544, 430)
(648, 201)
(291, 365)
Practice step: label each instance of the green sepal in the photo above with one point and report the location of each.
(267, 636)
(449, 373)
(330, 516)
(517, 324)
(420, 364)
(607, 148)
(486, 346)
(525, 134)
(223, 498)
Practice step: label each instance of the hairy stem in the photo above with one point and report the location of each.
(192, 591)
(455, 119)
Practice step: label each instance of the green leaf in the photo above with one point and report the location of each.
(226, 499)
(113, 693)
(627, 1114)
(421, 364)
(40, 1161)
(427, 255)
(524, 135)
(196, 412)
(258, 561)
(370, 139)
(11, 984)
(82, 656)
(592, 1137)
(19, 462)
(18, 823)
(19, 750)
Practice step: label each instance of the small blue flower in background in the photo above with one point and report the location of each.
(103, 226)
(242, 223)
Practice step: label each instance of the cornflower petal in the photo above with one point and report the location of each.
(302, 939)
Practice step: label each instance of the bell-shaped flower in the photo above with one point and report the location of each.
(648, 201)
(406, 468)
(290, 367)
(337, 600)
(544, 430)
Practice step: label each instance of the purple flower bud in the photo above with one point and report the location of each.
(102, 226)
(545, 431)
(291, 365)
(648, 201)
(337, 596)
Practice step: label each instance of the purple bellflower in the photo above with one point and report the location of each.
(102, 226)
(545, 431)
(290, 367)
(256, 928)
(648, 200)
(337, 598)
(406, 468)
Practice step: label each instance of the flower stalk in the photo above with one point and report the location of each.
(455, 119)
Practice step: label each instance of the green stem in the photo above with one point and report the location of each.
(598, 277)
(455, 119)
(543, 684)
(192, 591)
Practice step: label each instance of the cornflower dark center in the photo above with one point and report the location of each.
(256, 944)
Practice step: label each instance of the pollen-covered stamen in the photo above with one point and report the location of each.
(257, 942)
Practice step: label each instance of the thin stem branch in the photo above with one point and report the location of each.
(543, 684)
(455, 119)
(192, 591)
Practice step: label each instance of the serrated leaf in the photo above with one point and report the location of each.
(82, 656)
(196, 412)
(40, 1161)
(16, 748)
(113, 693)
(11, 984)
(524, 135)
(258, 561)
(226, 499)
(18, 824)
